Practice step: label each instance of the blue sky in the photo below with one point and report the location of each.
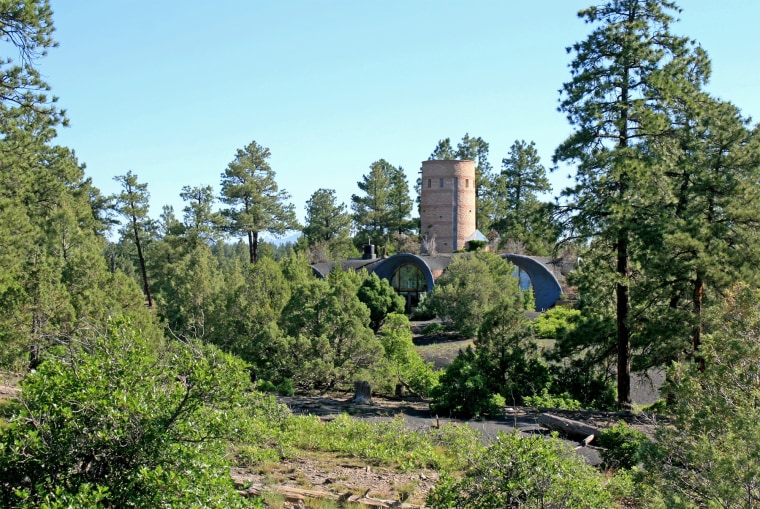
(171, 89)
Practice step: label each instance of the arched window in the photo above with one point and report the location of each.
(410, 283)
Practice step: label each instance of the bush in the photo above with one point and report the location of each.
(556, 322)
(401, 362)
(587, 385)
(525, 472)
(622, 446)
(463, 391)
(545, 400)
(118, 422)
(433, 328)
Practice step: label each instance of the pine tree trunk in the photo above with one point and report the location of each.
(146, 287)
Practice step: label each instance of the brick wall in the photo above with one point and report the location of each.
(447, 208)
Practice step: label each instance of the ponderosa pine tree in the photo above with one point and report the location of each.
(328, 224)
(517, 212)
(385, 206)
(256, 203)
(705, 236)
(202, 223)
(133, 204)
(622, 76)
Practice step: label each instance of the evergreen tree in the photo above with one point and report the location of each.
(132, 203)
(328, 225)
(705, 236)
(202, 223)
(385, 206)
(256, 203)
(518, 213)
(622, 77)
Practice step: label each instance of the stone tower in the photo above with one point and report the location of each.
(447, 203)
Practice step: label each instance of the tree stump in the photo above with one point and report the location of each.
(362, 392)
(400, 391)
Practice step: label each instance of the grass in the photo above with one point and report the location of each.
(442, 353)
(269, 444)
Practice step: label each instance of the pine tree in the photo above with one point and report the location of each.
(622, 77)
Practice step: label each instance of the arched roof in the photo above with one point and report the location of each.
(387, 266)
(546, 287)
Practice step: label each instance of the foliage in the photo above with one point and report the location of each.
(405, 364)
(256, 203)
(381, 299)
(705, 454)
(556, 322)
(381, 443)
(384, 207)
(578, 380)
(120, 422)
(433, 328)
(133, 204)
(518, 215)
(328, 226)
(463, 389)
(248, 327)
(546, 400)
(626, 78)
(328, 338)
(622, 445)
(472, 285)
(526, 472)
(507, 352)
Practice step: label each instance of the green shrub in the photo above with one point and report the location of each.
(591, 387)
(545, 400)
(118, 422)
(463, 391)
(556, 322)
(622, 446)
(525, 472)
(433, 328)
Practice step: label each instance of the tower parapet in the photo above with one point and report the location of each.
(447, 203)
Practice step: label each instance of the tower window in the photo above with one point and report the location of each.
(440, 183)
(429, 182)
(466, 182)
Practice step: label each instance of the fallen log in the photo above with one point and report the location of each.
(293, 494)
(568, 427)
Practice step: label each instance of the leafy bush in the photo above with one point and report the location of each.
(556, 322)
(545, 400)
(433, 328)
(463, 390)
(622, 446)
(117, 422)
(473, 284)
(402, 364)
(525, 472)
